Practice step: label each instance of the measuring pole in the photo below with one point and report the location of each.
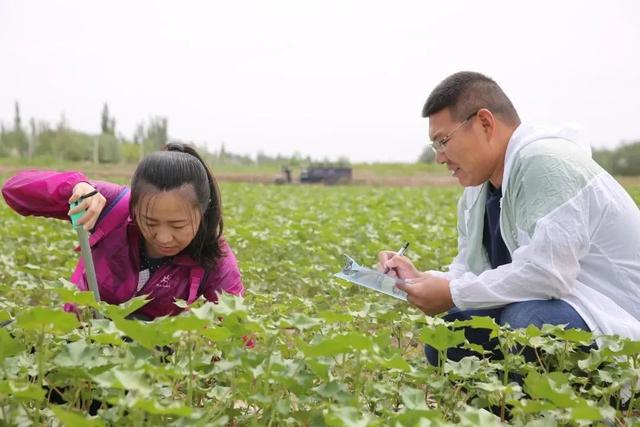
(85, 250)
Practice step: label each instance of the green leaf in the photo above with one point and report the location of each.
(589, 412)
(23, 391)
(553, 387)
(228, 304)
(51, 320)
(320, 369)
(576, 335)
(147, 334)
(74, 419)
(629, 348)
(417, 417)
(396, 362)
(333, 317)
(533, 406)
(124, 380)
(121, 311)
(467, 367)
(334, 390)
(479, 322)
(441, 337)
(413, 398)
(302, 322)
(107, 338)
(8, 345)
(347, 416)
(338, 344)
(218, 333)
(152, 406)
(75, 296)
(479, 417)
(183, 322)
(81, 355)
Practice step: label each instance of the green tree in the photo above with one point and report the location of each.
(16, 140)
(17, 123)
(32, 140)
(3, 148)
(138, 138)
(157, 134)
(427, 155)
(604, 158)
(109, 149)
(107, 123)
(626, 159)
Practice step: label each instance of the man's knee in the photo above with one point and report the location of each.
(539, 312)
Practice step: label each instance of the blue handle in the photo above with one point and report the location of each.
(76, 216)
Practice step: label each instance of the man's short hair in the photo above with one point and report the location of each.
(467, 91)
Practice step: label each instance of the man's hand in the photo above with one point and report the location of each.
(430, 294)
(92, 204)
(397, 266)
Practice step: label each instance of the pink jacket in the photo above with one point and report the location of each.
(116, 249)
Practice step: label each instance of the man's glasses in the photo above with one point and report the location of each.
(441, 145)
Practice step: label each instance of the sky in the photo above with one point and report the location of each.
(323, 78)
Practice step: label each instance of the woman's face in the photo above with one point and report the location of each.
(168, 220)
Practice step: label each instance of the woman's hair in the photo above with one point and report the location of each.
(177, 165)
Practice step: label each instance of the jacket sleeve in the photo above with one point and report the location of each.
(553, 236)
(225, 277)
(47, 193)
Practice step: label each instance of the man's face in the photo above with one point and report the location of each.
(468, 153)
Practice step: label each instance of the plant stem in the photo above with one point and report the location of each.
(535, 350)
(190, 381)
(358, 379)
(633, 388)
(41, 350)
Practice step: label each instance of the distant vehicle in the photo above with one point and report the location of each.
(326, 175)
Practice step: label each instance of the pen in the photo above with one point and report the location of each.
(400, 252)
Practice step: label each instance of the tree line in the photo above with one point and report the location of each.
(37, 139)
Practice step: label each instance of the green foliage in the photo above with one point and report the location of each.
(157, 134)
(624, 160)
(108, 149)
(427, 155)
(325, 353)
(107, 123)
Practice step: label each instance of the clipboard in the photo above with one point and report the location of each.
(372, 279)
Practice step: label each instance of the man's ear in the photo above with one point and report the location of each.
(487, 122)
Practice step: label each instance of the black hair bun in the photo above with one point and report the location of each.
(175, 146)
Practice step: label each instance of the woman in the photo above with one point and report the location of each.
(163, 238)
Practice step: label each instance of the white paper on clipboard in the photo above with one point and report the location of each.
(372, 279)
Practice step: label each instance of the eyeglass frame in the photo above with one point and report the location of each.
(441, 145)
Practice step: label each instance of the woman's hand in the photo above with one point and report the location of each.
(92, 204)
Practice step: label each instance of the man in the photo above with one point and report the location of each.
(545, 235)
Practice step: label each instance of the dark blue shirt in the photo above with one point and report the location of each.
(491, 238)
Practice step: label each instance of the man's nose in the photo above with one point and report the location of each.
(441, 157)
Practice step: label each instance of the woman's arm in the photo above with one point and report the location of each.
(47, 193)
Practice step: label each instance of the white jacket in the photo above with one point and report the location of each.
(572, 231)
